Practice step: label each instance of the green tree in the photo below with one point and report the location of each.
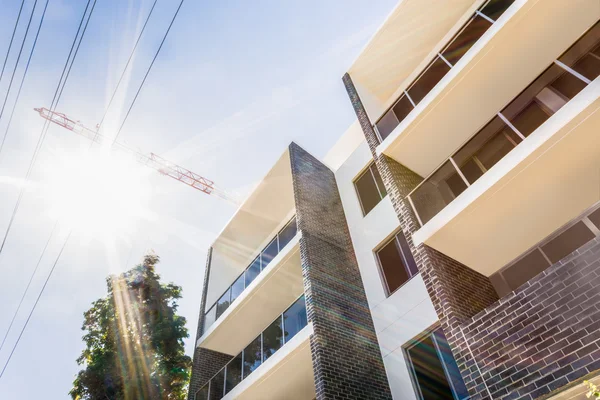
(134, 340)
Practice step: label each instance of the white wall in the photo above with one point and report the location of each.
(409, 310)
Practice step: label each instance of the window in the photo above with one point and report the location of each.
(287, 233)
(433, 368)
(252, 356)
(223, 303)
(369, 188)
(396, 263)
(233, 374)
(253, 271)
(210, 317)
(217, 384)
(392, 118)
(427, 81)
(294, 319)
(272, 339)
(269, 253)
(237, 288)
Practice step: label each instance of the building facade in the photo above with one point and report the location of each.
(448, 247)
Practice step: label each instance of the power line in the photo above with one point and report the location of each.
(35, 305)
(18, 59)
(148, 71)
(24, 75)
(46, 125)
(127, 65)
(11, 39)
(28, 286)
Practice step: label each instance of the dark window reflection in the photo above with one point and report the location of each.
(427, 81)
(237, 288)
(252, 356)
(452, 372)
(428, 371)
(253, 271)
(210, 318)
(287, 234)
(223, 303)
(474, 29)
(217, 385)
(269, 253)
(202, 394)
(495, 8)
(234, 373)
(294, 319)
(272, 339)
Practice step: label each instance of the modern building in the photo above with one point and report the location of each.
(448, 247)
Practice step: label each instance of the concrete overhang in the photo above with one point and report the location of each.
(273, 290)
(524, 41)
(287, 374)
(543, 183)
(405, 40)
(270, 205)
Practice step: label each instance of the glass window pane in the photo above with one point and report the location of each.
(582, 56)
(233, 373)
(237, 288)
(495, 8)
(437, 192)
(588, 66)
(367, 191)
(272, 339)
(252, 356)
(407, 257)
(223, 303)
(475, 28)
(210, 318)
(378, 180)
(427, 81)
(202, 394)
(392, 266)
(294, 319)
(567, 242)
(501, 287)
(428, 371)
(450, 367)
(217, 385)
(252, 271)
(287, 233)
(525, 269)
(387, 124)
(269, 253)
(595, 218)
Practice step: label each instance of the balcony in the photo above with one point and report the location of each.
(451, 100)
(276, 364)
(525, 173)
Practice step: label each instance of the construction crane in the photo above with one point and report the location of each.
(152, 160)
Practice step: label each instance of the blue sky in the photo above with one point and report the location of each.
(235, 83)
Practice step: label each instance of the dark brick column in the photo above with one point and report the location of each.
(346, 357)
(206, 362)
(456, 291)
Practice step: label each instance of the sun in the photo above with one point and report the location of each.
(98, 194)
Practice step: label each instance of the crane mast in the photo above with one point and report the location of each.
(151, 160)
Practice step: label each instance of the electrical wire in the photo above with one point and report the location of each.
(35, 304)
(148, 71)
(47, 123)
(11, 40)
(18, 59)
(127, 65)
(24, 75)
(28, 286)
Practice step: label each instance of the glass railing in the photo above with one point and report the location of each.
(261, 261)
(453, 51)
(275, 336)
(554, 88)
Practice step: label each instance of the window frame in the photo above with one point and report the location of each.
(368, 169)
(384, 243)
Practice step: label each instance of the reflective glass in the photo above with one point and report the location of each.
(567, 242)
(269, 253)
(387, 124)
(252, 271)
(495, 8)
(367, 190)
(287, 234)
(583, 56)
(428, 371)
(233, 374)
(378, 180)
(272, 339)
(294, 319)
(437, 191)
(252, 356)
(595, 218)
(217, 385)
(202, 394)
(392, 266)
(427, 81)
(237, 288)
(210, 317)
(223, 303)
(474, 29)
(450, 367)
(525, 269)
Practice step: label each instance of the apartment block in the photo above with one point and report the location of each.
(448, 246)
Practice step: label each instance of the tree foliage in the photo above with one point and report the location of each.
(134, 340)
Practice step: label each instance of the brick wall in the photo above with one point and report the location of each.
(544, 335)
(206, 362)
(456, 291)
(346, 357)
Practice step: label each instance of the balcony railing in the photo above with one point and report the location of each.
(251, 272)
(451, 53)
(275, 336)
(554, 88)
